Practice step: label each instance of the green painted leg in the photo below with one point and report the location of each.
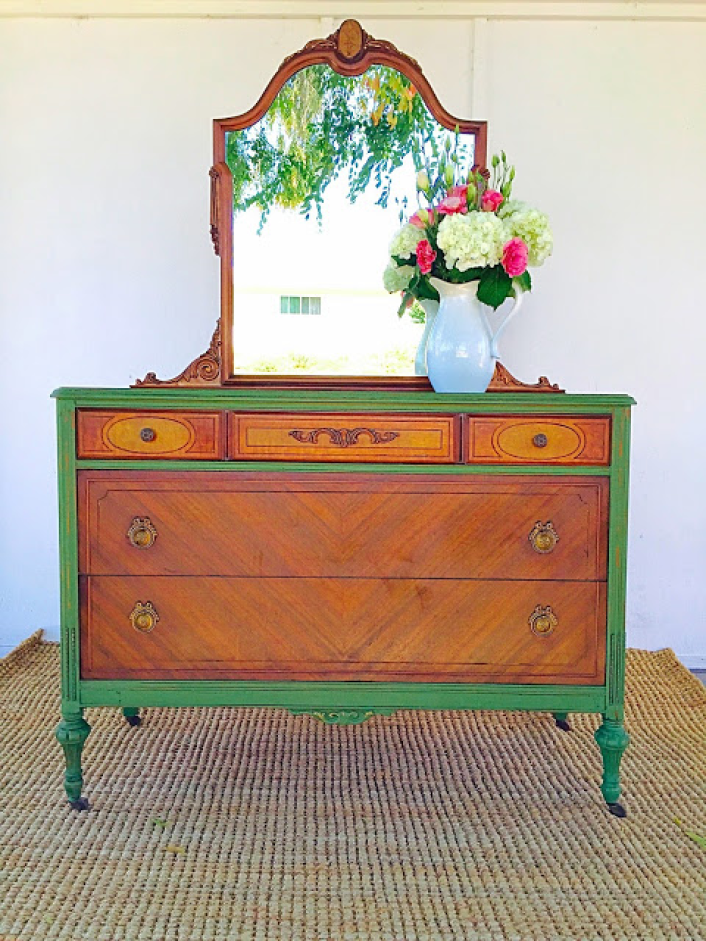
(561, 721)
(71, 734)
(612, 740)
(132, 715)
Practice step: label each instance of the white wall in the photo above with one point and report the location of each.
(106, 267)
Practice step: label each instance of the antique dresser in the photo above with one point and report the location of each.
(340, 549)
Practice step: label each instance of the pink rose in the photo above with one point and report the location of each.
(515, 255)
(460, 190)
(425, 256)
(491, 200)
(452, 204)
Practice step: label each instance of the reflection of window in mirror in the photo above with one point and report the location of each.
(320, 185)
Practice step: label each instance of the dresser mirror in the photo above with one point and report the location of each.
(307, 188)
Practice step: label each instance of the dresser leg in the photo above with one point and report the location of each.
(71, 734)
(561, 721)
(132, 715)
(612, 740)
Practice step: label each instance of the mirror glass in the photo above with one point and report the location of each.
(321, 184)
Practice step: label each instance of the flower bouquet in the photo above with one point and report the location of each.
(468, 245)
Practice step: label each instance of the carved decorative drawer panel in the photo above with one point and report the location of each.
(345, 437)
(322, 628)
(342, 526)
(519, 439)
(159, 434)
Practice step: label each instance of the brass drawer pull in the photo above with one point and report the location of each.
(543, 537)
(142, 532)
(143, 617)
(543, 620)
(148, 434)
(540, 441)
(344, 437)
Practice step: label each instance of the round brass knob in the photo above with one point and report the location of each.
(143, 617)
(540, 441)
(542, 621)
(543, 537)
(148, 434)
(142, 532)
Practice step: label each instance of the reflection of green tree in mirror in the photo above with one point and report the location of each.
(322, 122)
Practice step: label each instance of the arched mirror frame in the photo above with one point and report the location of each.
(349, 51)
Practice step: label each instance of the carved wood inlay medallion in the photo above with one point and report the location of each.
(344, 437)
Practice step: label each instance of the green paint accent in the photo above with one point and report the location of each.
(617, 563)
(231, 467)
(68, 553)
(130, 712)
(344, 716)
(71, 733)
(313, 400)
(561, 716)
(612, 740)
(317, 696)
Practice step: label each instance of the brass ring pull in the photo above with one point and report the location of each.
(542, 621)
(142, 532)
(148, 434)
(540, 441)
(143, 617)
(543, 537)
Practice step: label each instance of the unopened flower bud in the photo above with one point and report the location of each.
(496, 160)
(471, 193)
(449, 175)
(423, 181)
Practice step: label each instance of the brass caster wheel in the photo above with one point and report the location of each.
(80, 804)
(133, 721)
(617, 810)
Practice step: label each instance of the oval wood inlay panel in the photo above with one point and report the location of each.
(518, 440)
(144, 435)
(149, 435)
(508, 439)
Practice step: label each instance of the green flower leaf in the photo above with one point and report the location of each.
(494, 287)
(523, 282)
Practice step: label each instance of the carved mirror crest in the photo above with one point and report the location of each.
(307, 189)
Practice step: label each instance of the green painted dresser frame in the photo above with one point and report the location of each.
(352, 701)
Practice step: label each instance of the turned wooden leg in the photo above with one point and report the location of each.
(561, 719)
(132, 715)
(612, 740)
(71, 734)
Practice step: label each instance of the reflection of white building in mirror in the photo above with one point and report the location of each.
(341, 262)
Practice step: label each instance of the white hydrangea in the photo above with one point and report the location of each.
(474, 240)
(405, 242)
(532, 226)
(397, 277)
(511, 206)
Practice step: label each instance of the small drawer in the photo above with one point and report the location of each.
(414, 439)
(508, 439)
(131, 435)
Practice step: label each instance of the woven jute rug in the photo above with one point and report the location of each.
(253, 824)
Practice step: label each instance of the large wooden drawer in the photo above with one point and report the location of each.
(339, 629)
(508, 439)
(342, 525)
(316, 436)
(157, 434)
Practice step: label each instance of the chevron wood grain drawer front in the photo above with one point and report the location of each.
(156, 434)
(319, 628)
(402, 438)
(537, 440)
(342, 525)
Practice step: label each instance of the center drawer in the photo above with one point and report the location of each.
(342, 525)
(317, 436)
